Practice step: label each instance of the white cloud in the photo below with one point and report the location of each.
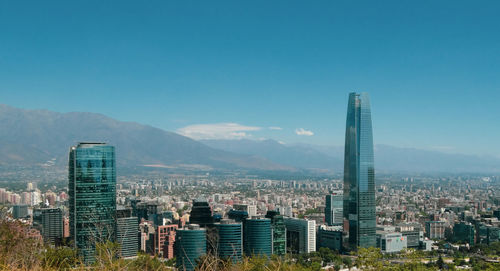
(275, 128)
(217, 131)
(303, 132)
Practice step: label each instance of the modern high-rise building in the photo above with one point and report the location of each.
(230, 239)
(300, 235)
(92, 196)
(190, 244)
(330, 237)
(279, 232)
(127, 232)
(334, 208)
(359, 173)
(201, 213)
(50, 223)
(257, 237)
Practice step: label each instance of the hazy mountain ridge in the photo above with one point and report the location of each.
(291, 155)
(30, 137)
(387, 158)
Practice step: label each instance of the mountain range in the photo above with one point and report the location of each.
(33, 137)
(29, 137)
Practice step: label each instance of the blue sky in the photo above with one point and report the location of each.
(232, 69)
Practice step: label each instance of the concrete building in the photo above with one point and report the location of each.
(164, 241)
(413, 233)
(390, 242)
(434, 229)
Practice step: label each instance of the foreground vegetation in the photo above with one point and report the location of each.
(19, 251)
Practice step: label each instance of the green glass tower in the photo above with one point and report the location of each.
(230, 239)
(190, 244)
(92, 196)
(257, 237)
(359, 173)
(279, 232)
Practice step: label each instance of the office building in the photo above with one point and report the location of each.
(413, 233)
(19, 211)
(334, 209)
(250, 209)
(238, 216)
(330, 237)
(434, 229)
(391, 242)
(50, 223)
(92, 196)
(492, 234)
(190, 244)
(359, 173)
(164, 240)
(300, 235)
(127, 229)
(201, 214)
(464, 232)
(144, 210)
(147, 235)
(230, 239)
(257, 237)
(279, 232)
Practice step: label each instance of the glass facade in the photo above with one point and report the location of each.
(201, 214)
(359, 173)
(190, 244)
(334, 208)
(257, 237)
(92, 196)
(279, 232)
(230, 240)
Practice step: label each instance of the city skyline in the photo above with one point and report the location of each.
(232, 70)
(263, 135)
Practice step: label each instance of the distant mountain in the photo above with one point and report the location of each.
(297, 156)
(391, 158)
(34, 137)
(387, 158)
(397, 159)
(29, 137)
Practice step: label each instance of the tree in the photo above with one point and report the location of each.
(440, 262)
(369, 258)
(60, 258)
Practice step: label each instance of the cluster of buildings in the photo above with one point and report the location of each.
(238, 216)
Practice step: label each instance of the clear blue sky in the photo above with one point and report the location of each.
(432, 68)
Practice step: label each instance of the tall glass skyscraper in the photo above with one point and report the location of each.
(92, 196)
(359, 173)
